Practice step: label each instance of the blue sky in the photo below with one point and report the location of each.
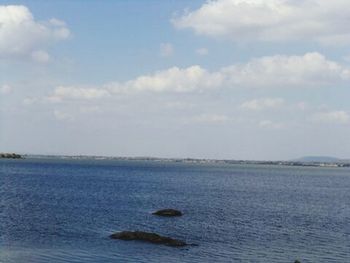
(232, 79)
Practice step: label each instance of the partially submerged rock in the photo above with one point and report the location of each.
(168, 212)
(148, 237)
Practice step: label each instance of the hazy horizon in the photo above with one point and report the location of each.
(300, 158)
(223, 79)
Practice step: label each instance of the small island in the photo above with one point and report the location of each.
(10, 156)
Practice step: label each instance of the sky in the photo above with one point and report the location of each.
(222, 79)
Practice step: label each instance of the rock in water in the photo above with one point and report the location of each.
(148, 237)
(168, 212)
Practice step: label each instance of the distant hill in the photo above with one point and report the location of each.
(318, 159)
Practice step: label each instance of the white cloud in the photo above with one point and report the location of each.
(202, 51)
(40, 56)
(5, 89)
(30, 101)
(262, 104)
(174, 79)
(271, 125)
(63, 116)
(309, 70)
(322, 21)
(179, 105)
(90, 109)
(336, 117)
(210, 118)
(57, 22)
(166, 49)
(22, 36)
(61, 93)
(191, 79)
(275, 72)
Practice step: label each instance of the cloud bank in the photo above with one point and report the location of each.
(311, 70)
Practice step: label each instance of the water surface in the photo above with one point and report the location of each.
(64, 210)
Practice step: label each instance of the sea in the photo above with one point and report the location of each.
(63, 210)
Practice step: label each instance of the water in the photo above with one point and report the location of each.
(64, 210)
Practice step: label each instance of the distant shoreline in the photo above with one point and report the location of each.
(339, 163)
(10, 156)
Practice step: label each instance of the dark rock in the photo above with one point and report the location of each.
(297, 261)
(168, 212)
(148, 237)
